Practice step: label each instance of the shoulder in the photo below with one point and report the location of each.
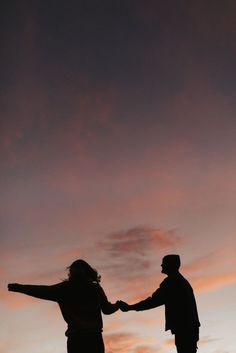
(173, 281)
(184, 280)
(62, 284)
(100, 290)
(61, 287)
(98, 287)
(165, 282)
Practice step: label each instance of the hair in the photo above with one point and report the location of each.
(81, 271)
(173, 261)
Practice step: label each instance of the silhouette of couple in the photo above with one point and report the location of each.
(82, 299)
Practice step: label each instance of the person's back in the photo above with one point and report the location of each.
(180, 304)
(176, 294)
(81, 300)
(81, 305)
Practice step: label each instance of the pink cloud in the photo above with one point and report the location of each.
(210, 261)
(120, 342)
(129, 253)
(146, 349)
(207, 339)
(206, 263)
(213, 282)
(205, 273)
(53, 141)
(127, 342)
(169, 343)
(139, 240)
(16, 301)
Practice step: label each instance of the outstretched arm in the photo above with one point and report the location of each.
(37, 291)
(107, 307)
(157, 299)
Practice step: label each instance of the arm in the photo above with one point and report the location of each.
(37, 291)
(107, 307)
(157, 299)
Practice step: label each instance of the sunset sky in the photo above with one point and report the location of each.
(118, 144)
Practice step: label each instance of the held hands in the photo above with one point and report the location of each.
(123, 306)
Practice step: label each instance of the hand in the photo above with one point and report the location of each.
(123, 306)
(13, 287)
(117, 304)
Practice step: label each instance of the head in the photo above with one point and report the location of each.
(81, 271)
(170, 264)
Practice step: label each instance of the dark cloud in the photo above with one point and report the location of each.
(131, 252)
(139, 241)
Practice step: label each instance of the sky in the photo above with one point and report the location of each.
(118, 125)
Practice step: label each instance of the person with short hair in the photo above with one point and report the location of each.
(176, 294)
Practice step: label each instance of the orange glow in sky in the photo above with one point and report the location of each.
(118, 146)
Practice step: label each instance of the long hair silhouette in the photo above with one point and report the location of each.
(81, 271)
(82, 301)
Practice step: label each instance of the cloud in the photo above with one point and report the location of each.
(130, 253)
(212, 282)
(205, 273)
(120, 342)
(146, 349)
(169, 343)
(34, 128)
(128, 342)
(209, 262)
(9, 345)
(207, 339)
(139, 240)
(200, 264)
(16, 301)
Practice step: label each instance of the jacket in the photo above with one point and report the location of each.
(81, 304)
(177, 295)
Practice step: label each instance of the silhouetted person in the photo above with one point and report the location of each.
(176, 294)
(81, 300)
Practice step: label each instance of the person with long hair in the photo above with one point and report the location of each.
(81, 300)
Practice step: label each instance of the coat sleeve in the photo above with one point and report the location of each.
(156, 299)
(40, 291)
(106, 307)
